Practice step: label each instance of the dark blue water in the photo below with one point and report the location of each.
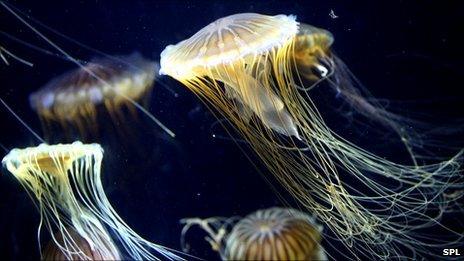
(401, 50)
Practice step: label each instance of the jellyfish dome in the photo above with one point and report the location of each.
(97, 83)
(314, 38)
(267, 234)
(109, 84)
(224, 41)
(312, 46)
(275, 234)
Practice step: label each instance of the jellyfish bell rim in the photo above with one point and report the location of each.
(17, 157)
(307, 30)
(272, 212)
(183, 70)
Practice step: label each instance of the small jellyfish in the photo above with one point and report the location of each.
(267, 234)
(256, 71)
(65, 180)
(312, 48)
(117, 84)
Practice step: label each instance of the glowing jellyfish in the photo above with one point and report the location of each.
(312, 49)
(74, 99)
(65, 181)
(67, 102)
(245, 66)
(268, 234)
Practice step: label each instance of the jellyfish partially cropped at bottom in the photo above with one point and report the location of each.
(267, 234)
(65, 181)
(114, 85)
(248, 69)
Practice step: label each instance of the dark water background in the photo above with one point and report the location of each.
(401, 50)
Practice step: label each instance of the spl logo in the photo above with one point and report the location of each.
(451, 252)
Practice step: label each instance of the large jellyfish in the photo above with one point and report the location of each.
(75, 98)
(267, 234)
(247, 66)
(65, 181)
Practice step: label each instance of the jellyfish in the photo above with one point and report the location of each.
(316, 63)
(267, 234)
(245, 68)
(65, 181)
(114, 83)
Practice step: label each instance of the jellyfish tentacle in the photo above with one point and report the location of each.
(17, 58)
(21, 121)
(65, 181)
(373, 205)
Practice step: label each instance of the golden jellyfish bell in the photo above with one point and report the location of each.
(313, 39)
(110, 84)
(267, 234)
(311, 51)
(48, 162)
(228, 50)
(275, 234)
(226, 41)
(76, 93)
